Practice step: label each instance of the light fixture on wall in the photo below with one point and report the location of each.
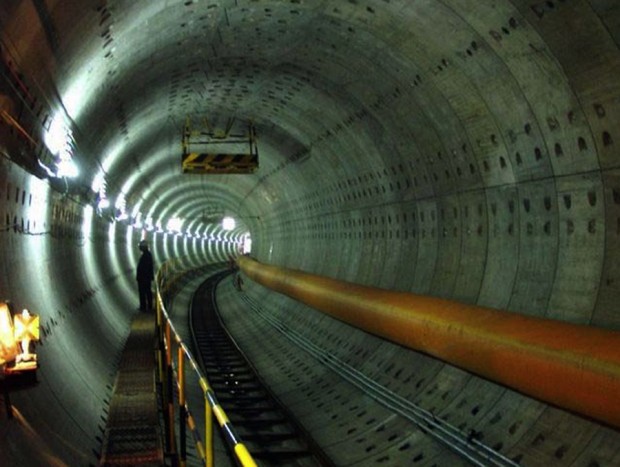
(26, 331)
(59, 140)
(228, 223)
(16, 336)
(174, 224)
(8, 344)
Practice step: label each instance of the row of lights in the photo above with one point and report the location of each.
(59, 141)
(173, 226)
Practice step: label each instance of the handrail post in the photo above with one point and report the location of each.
(162, 370)
(160, 343)
(169, 391)
(182, 409)
(208, 433)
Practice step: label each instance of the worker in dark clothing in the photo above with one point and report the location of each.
(144, 276)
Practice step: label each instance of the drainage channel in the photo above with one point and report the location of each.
(469, 448)
(271, 435)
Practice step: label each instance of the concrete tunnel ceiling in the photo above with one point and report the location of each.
(464, 149)
(206, 64)
(310, 71)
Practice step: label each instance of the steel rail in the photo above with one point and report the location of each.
(472, 449)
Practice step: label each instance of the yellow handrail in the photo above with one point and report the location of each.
(168, 337)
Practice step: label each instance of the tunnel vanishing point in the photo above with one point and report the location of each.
(465, 151)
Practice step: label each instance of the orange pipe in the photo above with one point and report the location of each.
(575, 367)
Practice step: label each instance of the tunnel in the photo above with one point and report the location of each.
(460, 149)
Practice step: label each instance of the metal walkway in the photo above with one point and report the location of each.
(132, 435)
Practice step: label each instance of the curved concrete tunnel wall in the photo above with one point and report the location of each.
(467, 150)
(77, 271)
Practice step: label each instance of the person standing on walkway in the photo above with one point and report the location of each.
(144, 276)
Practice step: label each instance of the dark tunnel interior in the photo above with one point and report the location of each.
(462, 149)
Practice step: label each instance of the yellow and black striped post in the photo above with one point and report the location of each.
(182, 408)
(169, 394)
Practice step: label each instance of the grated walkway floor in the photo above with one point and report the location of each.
(132, 435)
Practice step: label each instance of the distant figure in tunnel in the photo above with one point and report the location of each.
(144, 276)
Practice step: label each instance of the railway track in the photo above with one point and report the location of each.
(271, 435)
